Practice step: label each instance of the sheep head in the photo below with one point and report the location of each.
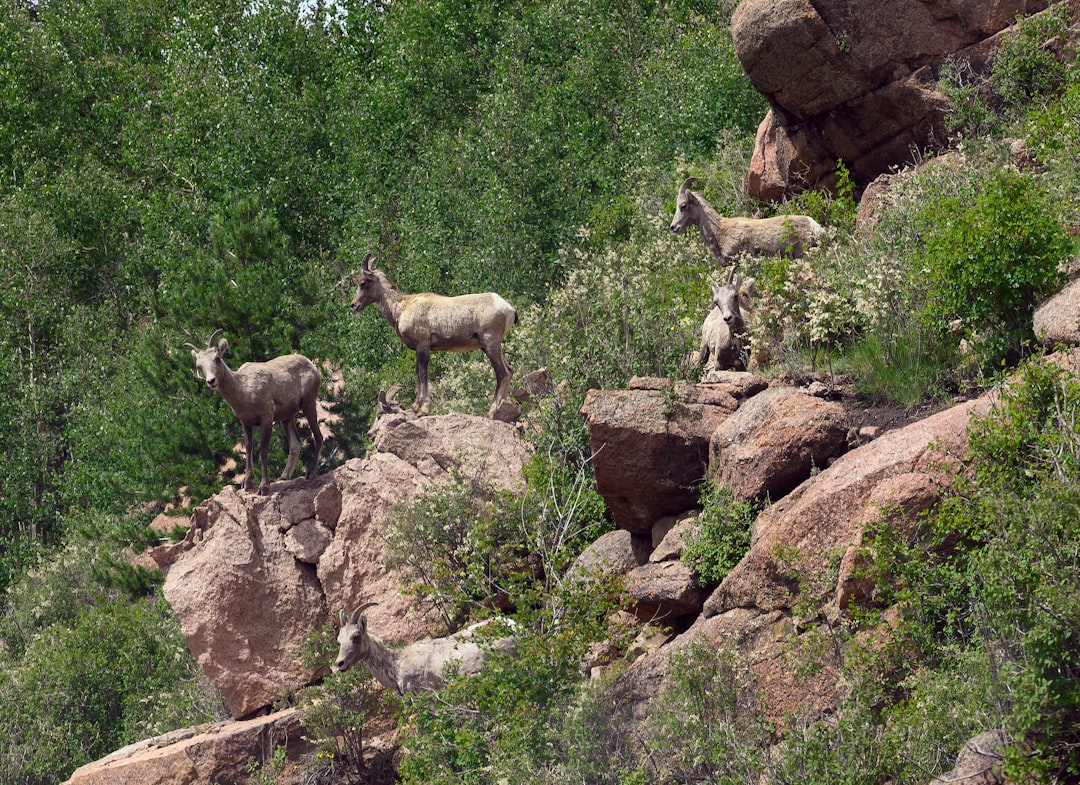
(371, 286)
(387, 405)
(732, 299)
(208, 361)
(354, 644)
(687, 207)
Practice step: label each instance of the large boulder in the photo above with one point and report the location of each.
(245, 604)
(195, 756)
(1057, 320)
(651, 446)
(979, 761)
(826, 514)
(854, 80)
(753, 609)
(258, 574)
(774, 441)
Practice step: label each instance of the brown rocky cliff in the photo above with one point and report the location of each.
(854, 80)
(258, 574)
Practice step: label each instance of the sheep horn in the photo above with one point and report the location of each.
(217, 332)
(687, 183)
(192, 346)
(391, 394)
(361, 608)
(731, 275)
(366, 264)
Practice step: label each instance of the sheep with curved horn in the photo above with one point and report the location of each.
(728, 238)
(262, 394)
(417, 667)
(429, 323)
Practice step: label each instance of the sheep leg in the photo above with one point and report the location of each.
(312, 416)
(503, 374)
(266, 430)
(249, 468)
(422, 404)
(289, 424)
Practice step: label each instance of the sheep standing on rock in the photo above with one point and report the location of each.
(724, 330)
(261, 394)
(415, 668)
(429, 323)
(729, 238)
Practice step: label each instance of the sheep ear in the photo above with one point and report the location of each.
(222, 347)
(366, 265)
(715, 289)
(341, 618)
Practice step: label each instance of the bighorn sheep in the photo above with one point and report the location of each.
(415, 668)
(725, 326)
(261, 394)
(430, 323)
(728, 238)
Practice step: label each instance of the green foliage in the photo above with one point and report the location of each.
(462, 545)
(1027, 67)
(837, 211)
(87, 670)
(722, 535)
(458, 546)
(992, 261)
(901, 365)
(631, 310)
(709, 725)
(989, 580)
(502, 722)
(1030, 68)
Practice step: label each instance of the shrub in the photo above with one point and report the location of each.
(989, 581)
(632, 309)
(458, 546)
(722, 535)
(709, 724)
(990, 264)
(1027, 66)
(503, 721)
(120, 673)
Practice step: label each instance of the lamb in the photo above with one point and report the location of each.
(724, 329)
(415, 668)
(261, 394)
(429, 323)
(729, 238)
(387, 407)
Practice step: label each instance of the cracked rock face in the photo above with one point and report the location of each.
(259, 574)
(854, 80)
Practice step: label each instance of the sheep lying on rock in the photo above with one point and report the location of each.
(723, 333)
(729, 238)
(387, 407)
(261, 394)
(415, 668)
(430, 323)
